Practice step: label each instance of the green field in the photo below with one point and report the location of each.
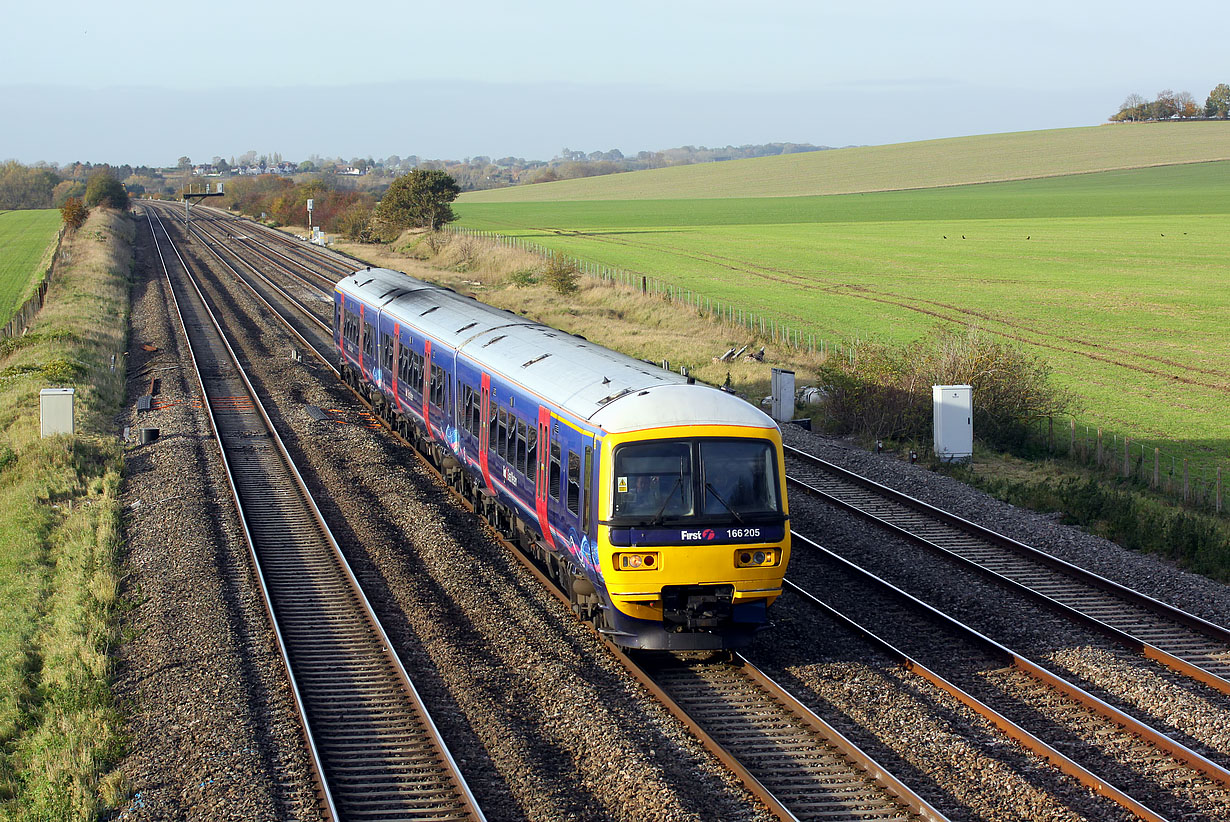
(953, 161)
(25, 239)
(1119, 279)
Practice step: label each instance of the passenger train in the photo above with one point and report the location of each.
(657, 503)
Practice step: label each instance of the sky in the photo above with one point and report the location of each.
(145, 83)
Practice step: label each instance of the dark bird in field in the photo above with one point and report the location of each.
(1027, 237)
(945, 236)
(962, 236)
(1163, 235)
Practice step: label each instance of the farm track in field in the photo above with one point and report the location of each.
(949, 313)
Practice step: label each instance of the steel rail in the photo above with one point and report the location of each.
(1183, 642)
(1160, 741)
(1012, 730)
(399, 784)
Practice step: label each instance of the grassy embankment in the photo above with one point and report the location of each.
(60, 537)
(28, 239)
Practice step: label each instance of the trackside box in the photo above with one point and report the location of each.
(56, 411)
(952, 415)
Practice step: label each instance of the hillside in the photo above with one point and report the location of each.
(927, 164)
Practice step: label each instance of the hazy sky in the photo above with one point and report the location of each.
(143, 82)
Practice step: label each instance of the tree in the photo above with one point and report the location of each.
(74, 213)
(105, 190)
(183, 163)
(1218, 104)
(421, 199)
(1186, 105)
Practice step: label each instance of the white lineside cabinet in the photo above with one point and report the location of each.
(782, 390)
(953, 418)
(56, 411)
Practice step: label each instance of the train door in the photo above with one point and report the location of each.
(484, 430)
(426, 386)
(542, 473)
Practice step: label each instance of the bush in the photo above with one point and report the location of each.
(561, 275)
(522, 278)
(74, 213)
(885, 392)
(105, 190)
(1197, 542)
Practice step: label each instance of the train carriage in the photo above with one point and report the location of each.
(658, 503)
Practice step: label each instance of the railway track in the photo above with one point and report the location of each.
(1183, 642)
(724, 703)
(374, 748)
(1140, 768)
(801, 767)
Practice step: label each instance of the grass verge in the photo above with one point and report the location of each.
(60, 538)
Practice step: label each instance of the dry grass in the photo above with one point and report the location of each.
(647, 327)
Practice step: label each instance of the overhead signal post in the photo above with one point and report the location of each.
(195, 193)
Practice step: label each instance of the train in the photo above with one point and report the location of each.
(656, 502)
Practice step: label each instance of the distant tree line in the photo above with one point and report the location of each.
(49, 186)
(1172, 106)
(477, 173)
(284, 201)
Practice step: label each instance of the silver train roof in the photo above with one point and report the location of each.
(611, 390)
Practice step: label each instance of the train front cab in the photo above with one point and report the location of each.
(693, 539)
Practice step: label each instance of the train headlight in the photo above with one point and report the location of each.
(756, 558)
(636, 562)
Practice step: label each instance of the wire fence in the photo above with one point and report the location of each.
(766, 327)
(1196, 482)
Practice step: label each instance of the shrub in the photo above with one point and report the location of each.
(74, 213)
(885, 392)
(561, 275)
(522, 278)
(105, 190)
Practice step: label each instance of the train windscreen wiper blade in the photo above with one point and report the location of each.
(709, 487)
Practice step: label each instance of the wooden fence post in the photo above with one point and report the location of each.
(1219, 489)
(1187, 493)
(1126, 457)
(1072, 442)
(1156, 467)
(1099, 451)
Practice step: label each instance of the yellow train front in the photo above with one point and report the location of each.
(693, 534)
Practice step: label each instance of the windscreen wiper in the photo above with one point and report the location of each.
(709, 487)
(657, 518)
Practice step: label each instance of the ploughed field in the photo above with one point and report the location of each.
(24, 238)
(1117, 278)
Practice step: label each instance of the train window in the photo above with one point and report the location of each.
(416, 372)
(337, 315)
(467, 402)
(738, 476)
(476, 411)
(653, 479)
(403, 364)
(369, 340)
(386, 352)
(522, 430)
(491, 425)
(588, 485)
(531, 452)
(350, 328)
(574, 483)
(437, 388)
(501, 443)
(512, 437)
(555, 469)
